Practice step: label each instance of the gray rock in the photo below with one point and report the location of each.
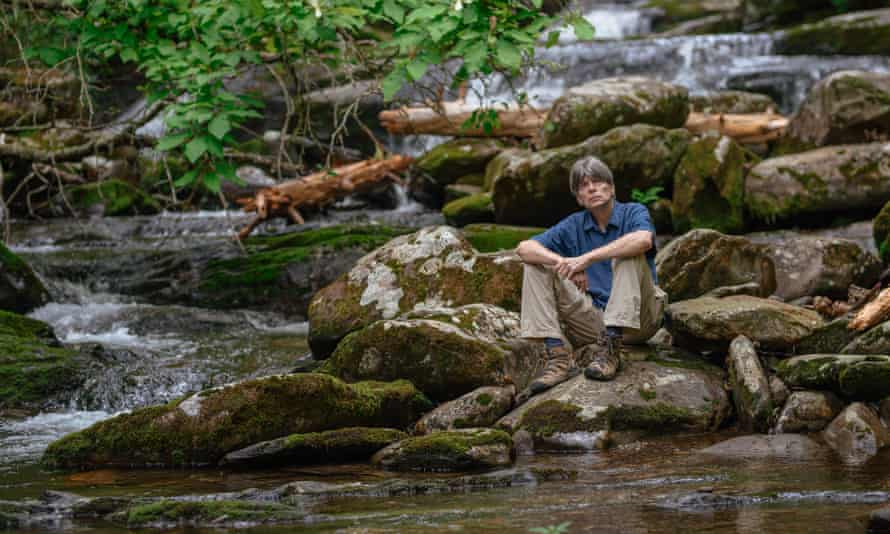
(750, 388)
(778, 390)
(808, 411)
(20, 289)
(857, 434)
(457, 450)
(875, 340)
(831, 338)
(481, 407)
(795, 447)
(854, 376)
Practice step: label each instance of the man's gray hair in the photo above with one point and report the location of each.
(590, 168)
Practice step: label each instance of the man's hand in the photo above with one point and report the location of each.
(567, 267)
(580, 280)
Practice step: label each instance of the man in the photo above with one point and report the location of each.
(590, 279)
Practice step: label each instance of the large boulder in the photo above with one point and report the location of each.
(862, 33)
(20, 289)
(881, 232)
(709, 186)
(476, 208)
(640, 157)
(808, 411)
(481, 407)
(750, 387)
(732, 102)
(431, 268)
(659, 396)
(829, 338)
(846, 107)
(445, 353)
(702, 260)
(795, 447)
(600, 105)
(708, 323)
(875, 340)
(854, 376)
(857, 434)
(457, 450)
(446, 163)
(201, 429)
(807, 187)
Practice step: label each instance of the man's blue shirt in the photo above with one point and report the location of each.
(578, 234)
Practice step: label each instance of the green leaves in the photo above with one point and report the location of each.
(219, 126)
(508, 55)
(583, 30)
(196, 148)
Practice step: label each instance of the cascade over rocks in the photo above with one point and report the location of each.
(640, 157)
(708, 323)
(703, 260)
(456, 450)
(428, 269)
(857, 434)
(446, 163)
(808, 411)
(750, 387)
(600, 105)
(813, 185)
(481, 407)
(202, 428)
(846, 107)
(20, 289)
(854, 376)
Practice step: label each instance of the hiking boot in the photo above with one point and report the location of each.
(606, 362)
(560, 367)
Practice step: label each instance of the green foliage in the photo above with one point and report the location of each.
(646, 197)
(561, 528)
(841, 5)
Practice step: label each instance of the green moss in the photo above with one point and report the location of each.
(654, 418)
(867, 380)
(862, 37)
(881, 232)
(208, 513)
(476, 208)
(553, 416)
(453, 159)
(647, 394)
(676, 11)
(20, 289)
(495, 237)
(813, 373)
(448, 450)
(115, 196)
(484, 399)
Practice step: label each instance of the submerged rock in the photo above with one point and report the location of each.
(795, 447)
(600, 105)
(855, 376)
(808, 411)
(711, 324)
(857, 434)
(750, 388)
(20, 289)
(457, 450)
(481, 407)
(202, 428)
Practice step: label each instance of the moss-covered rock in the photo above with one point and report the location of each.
(862, 33)
(881, 232)
(446, 163)
(709, 186)
(470, 209)
(771, 13)
(808, 411)
(111, 198)
(20, 289)
(340, 445)
(857, 434)
(646, 396)
(711, 324)
(498, 237)
(830, 338)
(732, 102)
(170, 513)
(875, 340)
(702, 260)
(600, 105)
(457, 191)
(640, 157)
(202, 428)
(806, 188)
(750, 387)
(481, 407)
(433, 267)
(456, 450)
(854, 376)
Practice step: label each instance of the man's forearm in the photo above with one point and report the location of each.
(534, 253)
(626, 246)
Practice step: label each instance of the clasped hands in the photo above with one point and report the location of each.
(573, 269)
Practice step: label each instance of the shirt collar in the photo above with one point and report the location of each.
(590, 223)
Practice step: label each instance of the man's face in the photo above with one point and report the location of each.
(593, 195)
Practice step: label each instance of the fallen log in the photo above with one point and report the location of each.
(745, 128)
(318, 190)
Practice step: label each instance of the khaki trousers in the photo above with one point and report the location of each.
(554, 307)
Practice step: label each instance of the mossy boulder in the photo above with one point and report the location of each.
(861, 33)
(808, 411)
(600, 105)
(649, 396)
(456, 450)
(477, 208)
(846, 107)
(702, 260)
(809, 187)
(110, 198)
(433, 267)
(875, 340)
(770, 13)
(750, 386)
(732, 102)
(481, 407)
(340, 445)
(709, 186)
(444, 352)
(202, 428)
(881, 232)
(829, 338)
(853, 376)
(498, 237)
(169, 513)
(857, 434)
(36, 371)
(640, 157)
(20, 289)
(446, 163)
(457, 191)
(708, 323)
(283, 272)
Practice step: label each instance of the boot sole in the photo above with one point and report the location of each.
(539, 387)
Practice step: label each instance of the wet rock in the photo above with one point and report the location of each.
(481, 407)
(648, 396)
(703, 260)
(111, 198)
(881, 233)
(875, 340)
(446, 163)
(600, 105)
(796, 447)
(340, 445)
(202, 428)
(20, 289)
(709, 186)
(457, 450)
(215, 513)
(432, 268)
(778, 390)
(846, 107)
(808, 411)
(854, 376)
(710, 324)
(857, 434)
(498, 237)
(862, 33)
(830, 338)
(470, 209)
(750, 388)
(732, 102)
(879, 521)
(813, 185)
(810, 266)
